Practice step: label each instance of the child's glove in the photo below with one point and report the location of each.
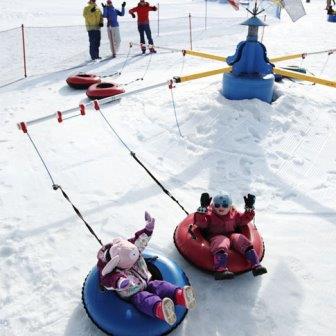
(249, 202)
(103, 5)
(133, 15)
(154, 8)
(205, 200)
(123, 4)
(150, 222)
(93, 9)
(122, 283)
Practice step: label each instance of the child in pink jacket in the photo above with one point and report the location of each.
(123, 269)
(221, 221)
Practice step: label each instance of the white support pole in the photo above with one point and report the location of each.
(72, 111)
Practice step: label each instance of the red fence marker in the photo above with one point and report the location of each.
(82, 109)
(59, 116)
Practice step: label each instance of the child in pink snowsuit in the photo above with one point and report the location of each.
(123, 269)
(221, 220)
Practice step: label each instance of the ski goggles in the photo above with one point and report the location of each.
(221, 205)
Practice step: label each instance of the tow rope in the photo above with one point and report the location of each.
(56, 186)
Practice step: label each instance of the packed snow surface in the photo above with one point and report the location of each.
(283, 152)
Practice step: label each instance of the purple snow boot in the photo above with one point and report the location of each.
(220, 266)
(252, 257)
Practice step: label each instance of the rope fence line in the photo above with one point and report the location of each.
(47, 58)
(46, 52)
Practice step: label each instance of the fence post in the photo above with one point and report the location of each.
(190, 34)
(24, 51)
(206, 14)
(158, 20)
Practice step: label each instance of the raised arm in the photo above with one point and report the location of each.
(142, 237)
(201, 219)
(246, 217)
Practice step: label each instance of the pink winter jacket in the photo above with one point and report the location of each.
(225, 225)
(138, 274)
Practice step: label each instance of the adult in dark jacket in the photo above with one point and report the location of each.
(142, 11)
(113, 33)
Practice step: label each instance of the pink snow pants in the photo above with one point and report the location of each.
(236, 241)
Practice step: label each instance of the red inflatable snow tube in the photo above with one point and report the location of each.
(82, 80)
(195, 248)
(103, 90)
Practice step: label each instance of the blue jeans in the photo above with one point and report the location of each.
(144, 28)
(94, 39)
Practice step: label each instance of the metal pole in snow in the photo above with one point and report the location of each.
(158, 20)
(206, 14)
(190, 34)
(24, 51)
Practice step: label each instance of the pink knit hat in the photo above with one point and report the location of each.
(120, 253)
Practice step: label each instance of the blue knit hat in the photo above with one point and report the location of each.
(223, 200)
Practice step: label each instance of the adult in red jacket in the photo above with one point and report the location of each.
(142, 11)
(221, 221)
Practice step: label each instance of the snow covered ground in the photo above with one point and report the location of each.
(284, 153)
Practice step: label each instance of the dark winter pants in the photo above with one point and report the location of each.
(94, 39)
(156, 290)
(144, 28)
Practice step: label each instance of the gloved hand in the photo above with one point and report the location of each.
(205, 200)
(93, 9)
(103, 5)
(150, 222)
(154, 8)
(133, 15)
(101, 24)
(249, 201)
(123, 4)
(122, 283)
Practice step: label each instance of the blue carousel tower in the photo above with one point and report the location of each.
(252, 73)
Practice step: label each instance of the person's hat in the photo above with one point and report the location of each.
(223, 200)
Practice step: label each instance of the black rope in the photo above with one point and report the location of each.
(40, 156)
(56, 186)
(124, 64)
(142, 165)
(114, 74)
(156, 180)
(173, 101)
(149, 62)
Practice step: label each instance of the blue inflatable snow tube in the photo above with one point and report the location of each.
(248, 87)
(332, 18)
(117, 317)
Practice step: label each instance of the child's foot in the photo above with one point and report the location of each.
(185, 297)
(165, 310)
(259, 270)
(224, 275)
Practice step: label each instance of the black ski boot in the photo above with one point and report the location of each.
(259, 270)
(224, 275)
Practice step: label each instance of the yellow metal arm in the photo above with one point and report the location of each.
(204, 55)
(202, 74)
(309, 78)
(287, 57)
